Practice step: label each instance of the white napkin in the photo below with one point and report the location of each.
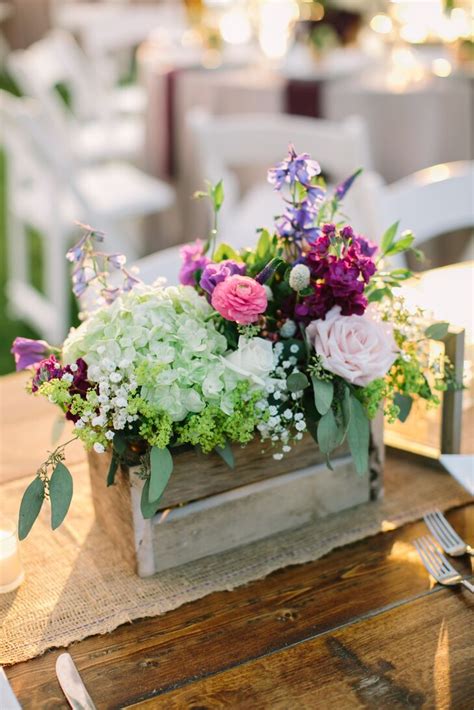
(461, 468)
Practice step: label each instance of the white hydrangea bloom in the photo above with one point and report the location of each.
(163, 338)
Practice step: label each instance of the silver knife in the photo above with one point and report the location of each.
(8, 699)
(72, 685)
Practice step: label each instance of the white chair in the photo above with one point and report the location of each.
(431, 202)
(47, 191)
(225, 144)
(93, 129)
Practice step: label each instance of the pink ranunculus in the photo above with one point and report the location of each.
(358, 348)
(239, 299)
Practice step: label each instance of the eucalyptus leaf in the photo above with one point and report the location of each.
(226, 454)
(57, 429)
(119, 443)
(358, 435)
(346, 409)
(328, 432)
(297, 382)
(114, 463)
(147, 508)
(437, 331)
(60, 494)
(388, 238)
(30, 507)
(323, 394)
(404, 403)
(161, 465)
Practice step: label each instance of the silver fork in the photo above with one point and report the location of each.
(446, 536)
(437, 564)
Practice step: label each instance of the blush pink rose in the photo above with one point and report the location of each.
(358, 348)
(239, 299)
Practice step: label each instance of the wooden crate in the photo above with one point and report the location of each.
(208, 508)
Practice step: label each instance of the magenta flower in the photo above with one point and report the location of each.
(46, 370)
(213, 274)
(27, 352)
(239, 299)
(194, 260)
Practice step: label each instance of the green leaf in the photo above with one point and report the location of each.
(437, 331)
(323, 394)
(60, 494)
(161, 464)
(114, 463)
(358, 435)
(403, 244)
(225, 251)
(378, 294)
(346, 409)
(401, 274)
(148, 508)
(328, 432)
(264, 244)
(388, 238)
(217, 193)
(30, 507)
(119, 443)
(226, 454)
(297, 382)
(404, 402)
(57, 430)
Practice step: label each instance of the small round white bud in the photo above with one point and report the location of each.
(299, 277)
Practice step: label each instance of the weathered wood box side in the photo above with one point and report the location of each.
(208, 508)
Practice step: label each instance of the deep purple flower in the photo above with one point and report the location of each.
(215, 273)
(344, 186)
(365, 247)
(294, 168)
(46, 370)
(194, 260)
(27, 352)
(343, 279)
(80, 384)
(315, 306)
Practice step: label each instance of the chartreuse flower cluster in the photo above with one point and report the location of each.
(302, 332)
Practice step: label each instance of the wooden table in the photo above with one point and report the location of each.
(363, 627)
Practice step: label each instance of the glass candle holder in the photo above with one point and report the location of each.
(11, 569)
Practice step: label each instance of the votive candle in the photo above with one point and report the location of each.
(11, 570)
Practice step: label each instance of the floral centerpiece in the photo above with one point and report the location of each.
(303, 333)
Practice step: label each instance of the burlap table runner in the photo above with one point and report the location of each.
(76, 584)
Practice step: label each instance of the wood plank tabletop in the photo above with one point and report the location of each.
(362, 627)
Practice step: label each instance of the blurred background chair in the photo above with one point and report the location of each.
(240, 148)
(79, 100)
(432, 202)
(48, 191)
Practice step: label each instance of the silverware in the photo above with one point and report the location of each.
(8, 699)
(72, 685)
(445, 535)
(437, 564)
